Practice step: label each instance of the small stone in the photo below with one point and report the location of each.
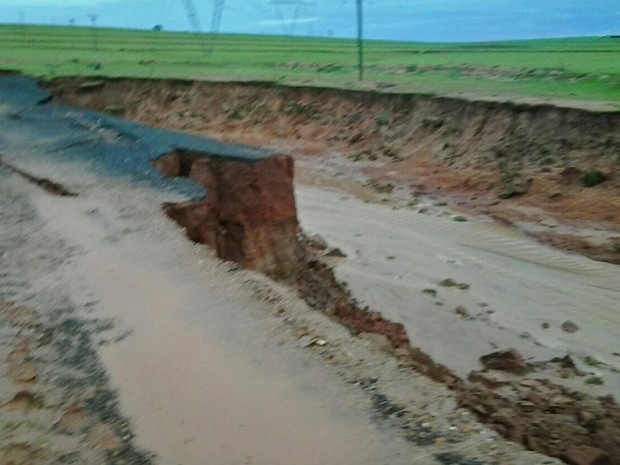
(549, 223)
(319, 241)
(335, 252)
(569, 327)
(23, 373)
(566, 373)
(585, 416)
(379, 341)
(461, 311)
(301, 332)
(468, 429)
(585, 455)
(527, 406)
(402, 352)
(529, 383)
(505, 360)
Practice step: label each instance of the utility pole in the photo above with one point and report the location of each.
(360, 40)
(93, 29)
(22, 23)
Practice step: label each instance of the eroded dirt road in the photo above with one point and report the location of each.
(124, 343)
(210, 363)
(518, 293)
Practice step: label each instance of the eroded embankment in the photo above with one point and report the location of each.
(249, 217)
(495, 157)
(248, 207)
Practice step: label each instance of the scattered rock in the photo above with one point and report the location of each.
(461, 311)
(379, 341)
(505, 360)
(402, 352)
(491, 380)
(319, 241)
(569, 327)
(301, 332)
(20, 454)
(448, 282)
(309, 341)
(73, 421)
(429, 291)
(104, 437)
(549, 222)
(565, 362)
(24, 401)
(335, 252)
(585, 455)
(23, 373)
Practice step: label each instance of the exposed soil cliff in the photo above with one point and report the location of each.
(248, 215)
(494, 157)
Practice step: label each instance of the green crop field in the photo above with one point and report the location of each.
(579, 70)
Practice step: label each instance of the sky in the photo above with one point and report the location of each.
(407, 20)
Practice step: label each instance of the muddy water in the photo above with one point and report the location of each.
(515, 285)
(202, 375)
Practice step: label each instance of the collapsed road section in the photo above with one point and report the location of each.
(232, 202)
(549, 170)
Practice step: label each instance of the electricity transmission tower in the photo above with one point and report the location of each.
(296, 6)
(194, 21)
(216, 22)
(192, 15)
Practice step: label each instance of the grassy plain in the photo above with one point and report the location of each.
(579, 69)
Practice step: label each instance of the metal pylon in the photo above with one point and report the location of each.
(216, 22)
(194, 21)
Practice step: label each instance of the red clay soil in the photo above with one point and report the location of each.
(248, 215)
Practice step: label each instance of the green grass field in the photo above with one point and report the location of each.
(581, 69)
